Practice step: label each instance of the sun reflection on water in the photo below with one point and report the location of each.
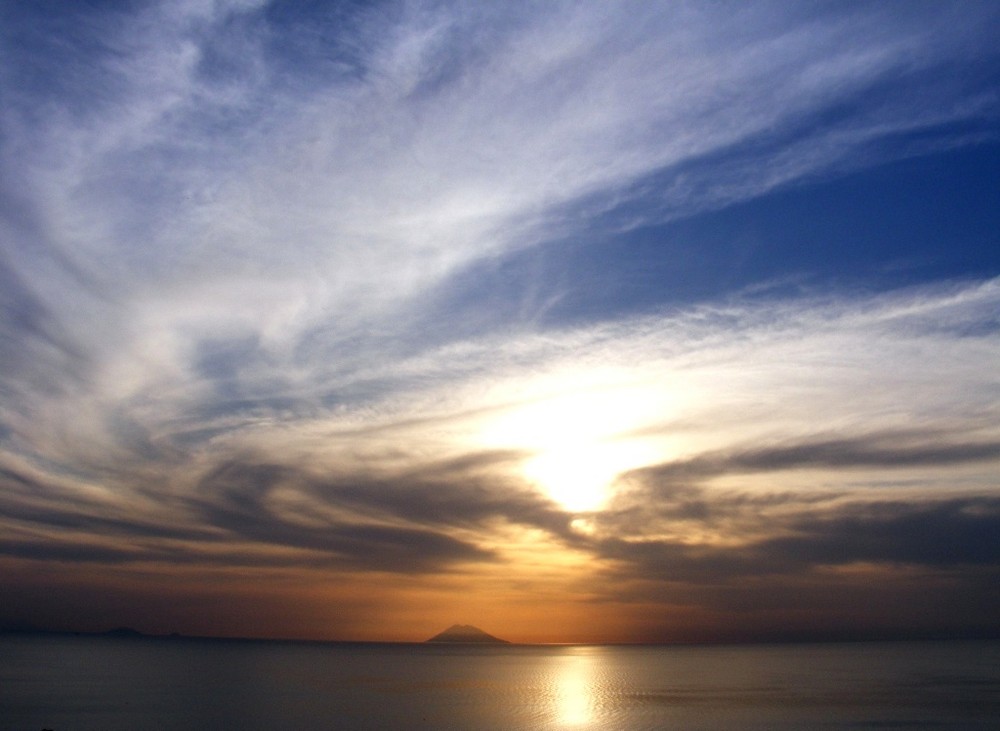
(573, 690)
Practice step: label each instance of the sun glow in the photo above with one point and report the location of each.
(580, 477)
(579, 441)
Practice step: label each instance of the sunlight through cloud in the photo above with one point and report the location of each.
(578, 442)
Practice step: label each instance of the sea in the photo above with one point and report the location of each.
(94, 683)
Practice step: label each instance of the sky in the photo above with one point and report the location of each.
(576, 321)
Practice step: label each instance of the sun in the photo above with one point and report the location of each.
(577, 442)
(576, 481)
(579, 477)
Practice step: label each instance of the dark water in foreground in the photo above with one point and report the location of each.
(83, 683)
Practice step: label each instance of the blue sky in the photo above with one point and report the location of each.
(386, 316)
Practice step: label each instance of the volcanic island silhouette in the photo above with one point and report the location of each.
(466, 634)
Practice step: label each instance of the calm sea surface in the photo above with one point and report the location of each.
(83, 683)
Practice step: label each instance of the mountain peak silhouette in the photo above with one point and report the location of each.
(466, 633)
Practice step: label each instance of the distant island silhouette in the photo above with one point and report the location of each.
(466, 634)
